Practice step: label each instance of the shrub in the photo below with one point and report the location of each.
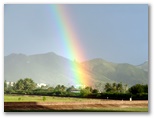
(19, 99)
(44, 98)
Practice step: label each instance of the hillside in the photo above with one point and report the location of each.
(125, 73)
(46, 68)
(53, 69)
(144, 66)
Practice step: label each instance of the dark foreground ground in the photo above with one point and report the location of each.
(106, 106)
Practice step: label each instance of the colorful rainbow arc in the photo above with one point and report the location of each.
(71, 42)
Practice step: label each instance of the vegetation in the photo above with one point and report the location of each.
(93, 110)
(138, 89)
(111, 91)
(44, 98)
(115, 88)
(30, 101)
(37, 98)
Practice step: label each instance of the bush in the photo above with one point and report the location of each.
(116, 96)
(140, 96)
(19, 99)
(44, 98)
(138, 88)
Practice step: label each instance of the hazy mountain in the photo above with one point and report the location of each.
(144, 66)
(46, 68)
(53, 69)
(124, 72)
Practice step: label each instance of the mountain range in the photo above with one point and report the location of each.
(144, 66)
(53, 69)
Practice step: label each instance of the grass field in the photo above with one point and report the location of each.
(37, 104)
(33, 98)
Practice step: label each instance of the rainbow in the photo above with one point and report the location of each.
(71, 42)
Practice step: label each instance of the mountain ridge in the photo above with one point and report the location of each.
(54, 69)
(144, 66)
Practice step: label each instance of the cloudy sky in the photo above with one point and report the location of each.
(117, 33)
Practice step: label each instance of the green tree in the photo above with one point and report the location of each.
(51, 89)
(63, 88)
(145, 88)
(10, 89)
(60, 89)
(19, 85)
(45, 87)
(25, 85)
(138, 88)
(114, 87)
(125, 88)
(94, 91)
(70, 89)
(5, 86)
(85, 91)
(120, 88)
(108, 87)
(29, 84)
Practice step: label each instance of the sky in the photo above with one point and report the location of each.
(116, 33)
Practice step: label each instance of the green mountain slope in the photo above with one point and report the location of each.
(53, 69)
(144, 66)
(46, 68)
(41, 68)
(124, 73)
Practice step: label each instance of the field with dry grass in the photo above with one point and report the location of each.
(74, 104)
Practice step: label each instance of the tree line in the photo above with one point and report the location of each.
(110, 91)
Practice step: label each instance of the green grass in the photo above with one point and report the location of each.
(89, 110)
(119, 109)
(32, 98)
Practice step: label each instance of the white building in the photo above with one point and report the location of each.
(41, 84)
(80, 86)
(10, 83)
